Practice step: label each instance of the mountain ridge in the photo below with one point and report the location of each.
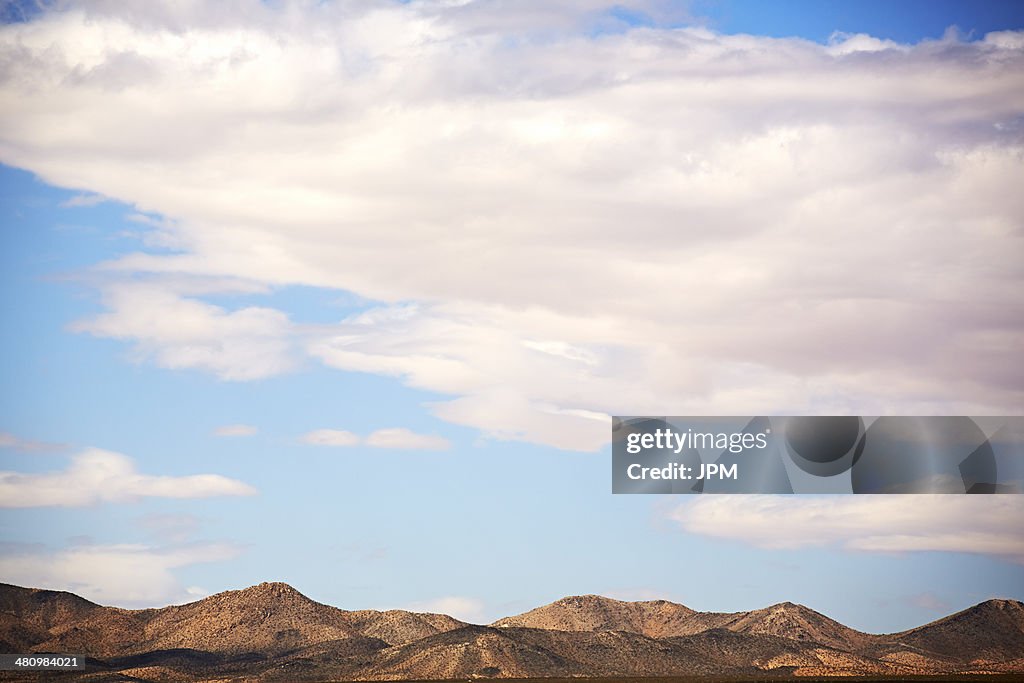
(272, 632)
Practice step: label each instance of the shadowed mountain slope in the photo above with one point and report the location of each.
(985, 632)
(27, 615)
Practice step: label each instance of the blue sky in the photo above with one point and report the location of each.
(349, 307)
(907, 21)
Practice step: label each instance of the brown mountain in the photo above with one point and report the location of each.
(28, 614)
(655, 618)
(796, 622)
(983, 633)
(515, 652)
(397, 627)
(271, 632)
(663, 619)
(270, 618)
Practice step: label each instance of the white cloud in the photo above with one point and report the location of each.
(845, 43)
(557, 227)
(98, 476)
(179, 332)
(465, 609)
(14, 442)
(235, 430)
(80, 200)
(393, 437)
(330, 437)
(399, 437)
(985, 525)
(124, 575)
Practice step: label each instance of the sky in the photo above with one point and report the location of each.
(344, 294)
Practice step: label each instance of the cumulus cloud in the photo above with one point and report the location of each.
(235, 430)
(557, 225)
(984, 525)
(181, 332)
(465, 609)
(99, 476)
(123, 575)
(392, 437)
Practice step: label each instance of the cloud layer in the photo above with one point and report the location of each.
(559, 223)
(99, 476)
(124, 575)
(985, 525)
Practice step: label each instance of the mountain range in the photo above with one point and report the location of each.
(271, 632)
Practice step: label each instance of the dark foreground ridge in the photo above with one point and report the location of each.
(271, 632)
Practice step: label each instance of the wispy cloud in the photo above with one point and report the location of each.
(81, 200)
(236, 430)
(984, 525)
(557, 226)
(123, 575)
(330, 437)
(394, 437)
(99, 476)
(8, 440)
(399, 437)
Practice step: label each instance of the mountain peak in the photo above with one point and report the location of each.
(1001, 604)
(275, 589)
(982, 631)
(41, 608)
(656, 618)
(788, 607)
(586, 600)
(796, 622)
(11, 592)
(266, 594)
